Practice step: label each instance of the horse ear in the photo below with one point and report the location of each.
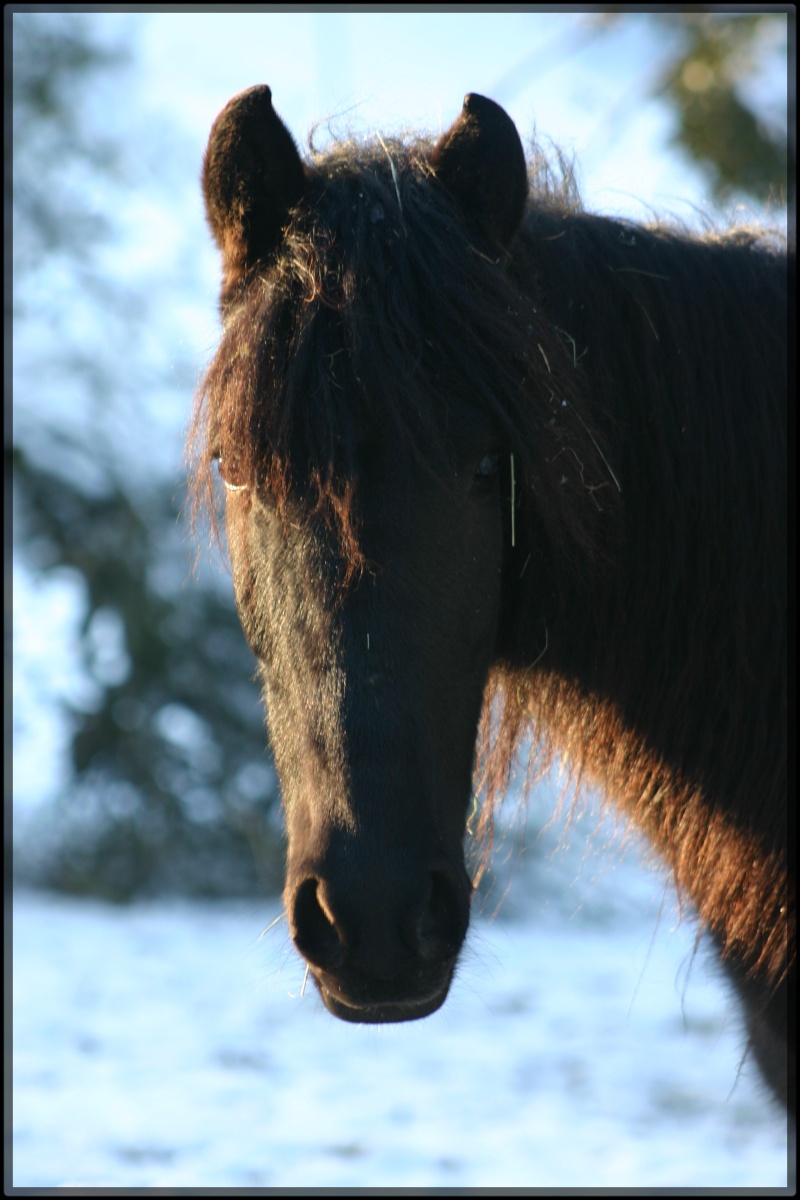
(481, 162)
(252, 176)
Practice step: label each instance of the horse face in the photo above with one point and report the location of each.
(373, 680)
(373, 693)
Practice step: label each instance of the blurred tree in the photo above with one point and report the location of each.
(710, 59)
(171, 789)
(51, 60)
(708, 68)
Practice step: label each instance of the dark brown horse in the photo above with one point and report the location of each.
(487, 453)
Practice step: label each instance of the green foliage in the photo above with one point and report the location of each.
(713, 57)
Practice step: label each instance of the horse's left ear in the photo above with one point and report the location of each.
(481, 162)
(252, 176)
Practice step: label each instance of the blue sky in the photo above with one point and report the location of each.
(400, 71)
(411, 70)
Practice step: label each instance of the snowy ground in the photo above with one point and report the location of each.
(165, 1045)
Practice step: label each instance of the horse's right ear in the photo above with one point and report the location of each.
(481, 162)
(252, 176)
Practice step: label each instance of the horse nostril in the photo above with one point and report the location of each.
(442, 925)
(313, 932)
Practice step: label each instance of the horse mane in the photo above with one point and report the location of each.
(595, 346)
(681, 714)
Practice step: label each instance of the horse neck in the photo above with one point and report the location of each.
(657, 662)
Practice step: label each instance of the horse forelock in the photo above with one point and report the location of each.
(382, 307)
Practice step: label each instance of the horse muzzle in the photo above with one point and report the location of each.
(380, 954)
(346, 1007)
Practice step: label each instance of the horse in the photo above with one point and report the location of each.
(496, 467)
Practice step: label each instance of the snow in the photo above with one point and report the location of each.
(586, 1042)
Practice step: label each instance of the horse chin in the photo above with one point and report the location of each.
(383, 1013)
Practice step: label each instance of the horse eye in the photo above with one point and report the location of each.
(488, 466)
(228, 474)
